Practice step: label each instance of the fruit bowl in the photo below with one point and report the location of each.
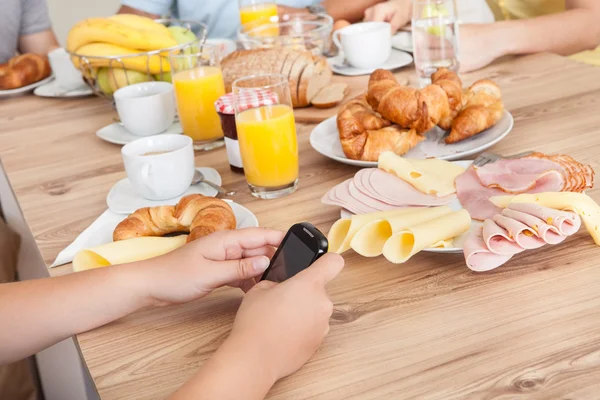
(310, 32)
(105, 74)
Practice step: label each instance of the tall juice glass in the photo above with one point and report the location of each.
(267, 135)
(198, 82)
(256, 11)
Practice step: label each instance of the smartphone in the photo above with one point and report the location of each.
(302, 245)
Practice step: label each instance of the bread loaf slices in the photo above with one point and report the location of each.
(307, 74)
(331, 95)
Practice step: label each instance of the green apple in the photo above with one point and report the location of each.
(182, 35)
(111, 79)
(166, 77)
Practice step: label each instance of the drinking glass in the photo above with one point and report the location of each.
(258, 12)
(198, 83)
(267, 135)
(435, 37)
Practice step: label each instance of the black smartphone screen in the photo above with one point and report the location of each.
(292, 258)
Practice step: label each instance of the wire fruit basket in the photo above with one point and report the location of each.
(106, 74)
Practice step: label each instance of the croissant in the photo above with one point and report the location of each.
(364, 134)
(23, 70)
(199, 215)
(415, 109)
(482, 109)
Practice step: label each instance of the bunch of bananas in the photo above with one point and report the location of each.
(122, 35)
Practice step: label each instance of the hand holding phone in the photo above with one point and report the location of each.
(302, 245)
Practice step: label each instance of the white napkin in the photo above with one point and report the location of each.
(99, 232)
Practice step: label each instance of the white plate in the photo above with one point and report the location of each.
(51, 89)
(122, 199)
(398, 59)
(403, 41)
(117, 134)
(455, 206)
(325, 139)
(25, 89)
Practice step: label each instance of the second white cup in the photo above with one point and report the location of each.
(366, 44)
(160, 167)
(67, 76)
(146, 108)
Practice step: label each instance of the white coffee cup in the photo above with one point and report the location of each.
(160, 167)
(146, 108)
(67, 76)
(366, 44)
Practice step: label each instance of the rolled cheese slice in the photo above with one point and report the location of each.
(405, 244)
(371, 238)
(581, 204)
(430, 176)
(341, 233)
(126, 251)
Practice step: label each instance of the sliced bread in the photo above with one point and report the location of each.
(331, 95)
(313, 80)
(296, 70)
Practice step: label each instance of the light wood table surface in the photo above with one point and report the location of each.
(428, 329)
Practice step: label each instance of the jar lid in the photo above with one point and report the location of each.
(249, 99)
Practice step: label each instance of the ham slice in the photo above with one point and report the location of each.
(522, 175)
(578, 177)
(547, 233)
(368, 200)
(390, 189)
(474, 197)
(340, 196)
(566, 222)
(497, 239)
(478, 257)
(525, 236)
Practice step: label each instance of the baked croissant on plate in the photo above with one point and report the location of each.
(23, 70)
(482, 109)
(364, 134)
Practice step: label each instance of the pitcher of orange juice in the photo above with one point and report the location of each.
(267, 134)
(198, 82)
(258, 12)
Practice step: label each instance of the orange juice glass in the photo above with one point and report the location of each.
(258, 12)
(198, 82)
(267, 136)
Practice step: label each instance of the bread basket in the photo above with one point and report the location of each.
(310, 32)
(90, 73)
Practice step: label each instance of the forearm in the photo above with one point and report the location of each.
(38, 43)
(565, 33)
(352, 11)
(36, 314)
(236, 371)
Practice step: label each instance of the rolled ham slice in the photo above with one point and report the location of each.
(474, 197)
(478, 257)
(522, 175)
(390, 189)
(523, 235)
(498, 241)
(567, 223)
(548, 233)
(340, 196)
(368, 200)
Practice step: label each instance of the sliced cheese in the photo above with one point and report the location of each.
(341, 233)
(579, 203)
(371, 238)
(126, 251)
(405, 244)
(430, 176)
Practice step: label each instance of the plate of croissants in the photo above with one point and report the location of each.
(23, 73)
(442, 120)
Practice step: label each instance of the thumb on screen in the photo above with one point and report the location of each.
(325, 268)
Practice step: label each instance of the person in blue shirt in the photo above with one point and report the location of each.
(222, 16)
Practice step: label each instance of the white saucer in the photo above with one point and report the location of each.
(122, 199)
(397, 59)
(25, 89)
(51, 89)
(403, 41)
(117, 134)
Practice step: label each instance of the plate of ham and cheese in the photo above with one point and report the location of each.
(489, 214)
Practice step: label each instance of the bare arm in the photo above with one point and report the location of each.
(40, 43)
(352, 11)
(131, 10)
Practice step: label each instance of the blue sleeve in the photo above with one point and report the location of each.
(158, 7)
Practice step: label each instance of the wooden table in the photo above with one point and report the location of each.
(426, 329)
